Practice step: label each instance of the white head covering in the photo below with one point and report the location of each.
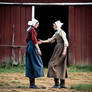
(58, 24)
(29, 23)
(34, 21)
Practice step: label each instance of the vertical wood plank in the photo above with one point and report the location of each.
(71, 36)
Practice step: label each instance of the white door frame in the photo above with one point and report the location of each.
(33, 12)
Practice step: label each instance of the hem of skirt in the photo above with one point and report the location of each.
(35, 76)
(55, 77)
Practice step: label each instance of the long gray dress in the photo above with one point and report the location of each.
(57, 63)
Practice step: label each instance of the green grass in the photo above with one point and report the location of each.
(4, 84)
(15, 82)
(82, 87)
(13, 69)
(1, 85)
(21, 68)
(80, 68)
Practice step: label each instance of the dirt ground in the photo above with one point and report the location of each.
(17, 82)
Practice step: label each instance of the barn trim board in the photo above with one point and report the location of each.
(7, 3)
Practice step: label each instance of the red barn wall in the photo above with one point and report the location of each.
(13, 18)
(16, 17)
(80, 34)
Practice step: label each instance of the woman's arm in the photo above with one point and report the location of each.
(44, 41)
(38, 49)
(66, 44)
(50, 40)
(64, 51)
(34, 39)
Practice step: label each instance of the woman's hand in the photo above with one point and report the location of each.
(43, 41)
(39, 52)
(40, 41)
(38, 49)
(64, 53)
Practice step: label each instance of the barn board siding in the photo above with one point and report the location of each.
(80, 28)
(13, 20)
(16, 18)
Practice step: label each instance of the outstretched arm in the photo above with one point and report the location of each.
(50, 40)
(44, 41)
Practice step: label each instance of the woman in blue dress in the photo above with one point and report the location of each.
(34, 64)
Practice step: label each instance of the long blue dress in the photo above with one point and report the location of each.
(34, 64)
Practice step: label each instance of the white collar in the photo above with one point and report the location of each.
(58, 31)
(29, 28)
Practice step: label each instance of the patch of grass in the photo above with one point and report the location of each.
(82, 87)
(21, 68)
(4, 84)
(80, 68)
(1, 85)
(13, 69)
(15, 82)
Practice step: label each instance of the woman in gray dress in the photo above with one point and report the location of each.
(57, 64)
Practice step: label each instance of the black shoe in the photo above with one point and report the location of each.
(62, 84)
(56, 86)
(33, 87)
(56, 80)
(32, 83)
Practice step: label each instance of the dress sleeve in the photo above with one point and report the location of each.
(52, 39)
(33, 36)
(63, 35)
